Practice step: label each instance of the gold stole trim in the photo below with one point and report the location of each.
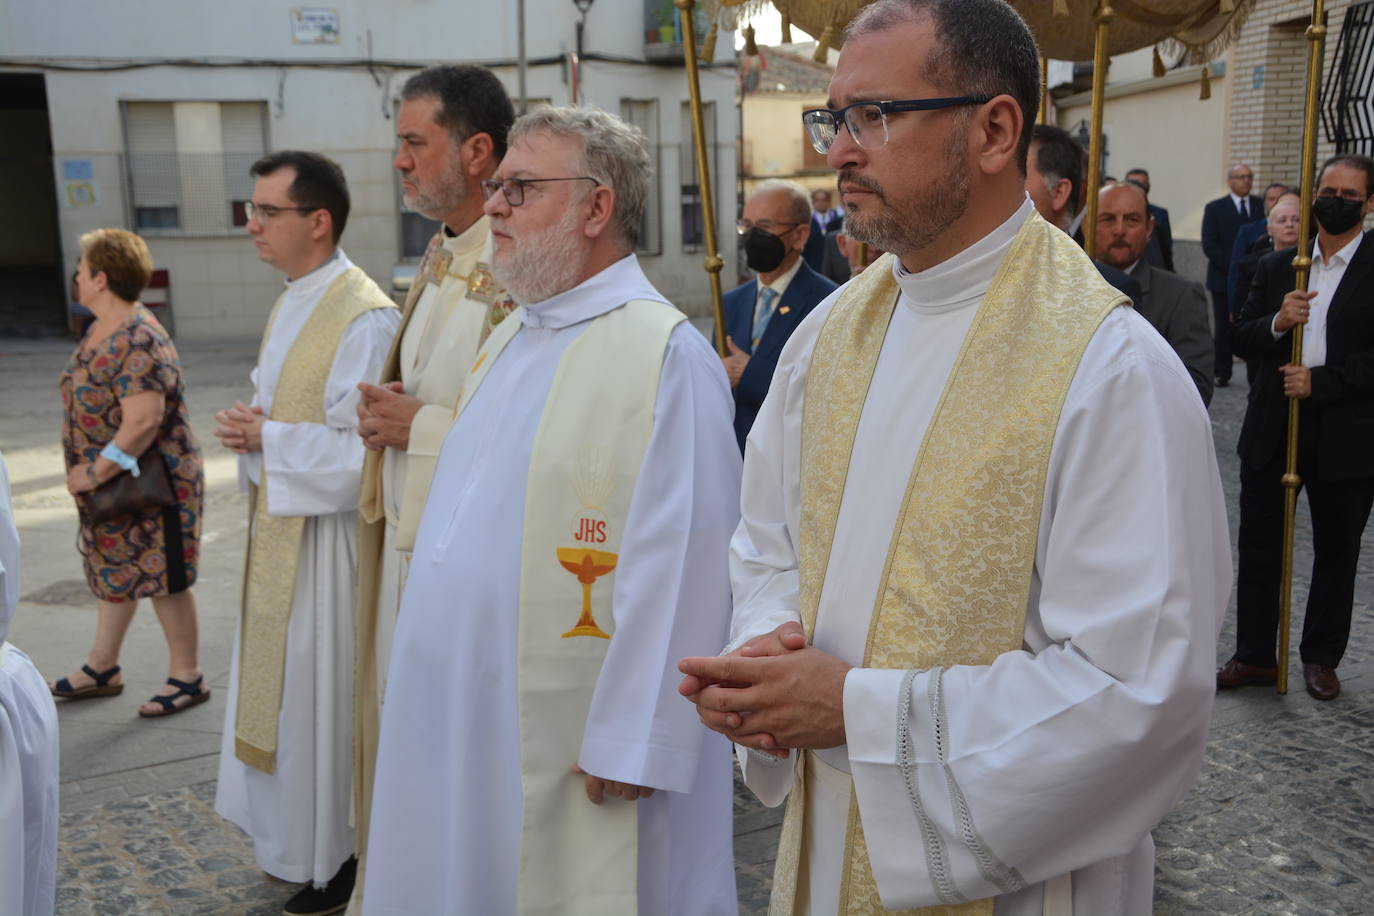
(957, 577)
(269, 575)
(575, 857)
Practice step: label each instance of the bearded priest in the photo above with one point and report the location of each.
(534, 756)
(983, 558)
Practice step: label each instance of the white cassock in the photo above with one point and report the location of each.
(1070, 751)
(298, 815)
(446, 813)
(28, 752)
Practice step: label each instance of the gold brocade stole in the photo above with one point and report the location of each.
(958, 572)
(269, 575)
(575, 857)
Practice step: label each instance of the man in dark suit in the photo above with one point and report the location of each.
(1176, 307)
(1335, 389)
(1221, 220)
(1054, 181)
(1159, 251)
(763, 313)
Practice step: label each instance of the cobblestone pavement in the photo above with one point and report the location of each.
(1281, 820)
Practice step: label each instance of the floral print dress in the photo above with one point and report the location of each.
(154, 552)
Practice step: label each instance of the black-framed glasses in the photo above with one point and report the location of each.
(767, 225)
(867, 121)
(514, 188)
(264, 212)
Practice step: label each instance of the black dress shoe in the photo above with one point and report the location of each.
(332, 898)
(1238, 674)
(1223, 382)
(1322, 682)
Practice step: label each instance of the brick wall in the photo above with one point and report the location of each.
(1266, 121)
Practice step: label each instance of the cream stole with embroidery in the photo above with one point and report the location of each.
(576, 857)
(269, 575)
(958, 572)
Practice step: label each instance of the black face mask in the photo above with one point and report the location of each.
(763, 251)
(1336, 214)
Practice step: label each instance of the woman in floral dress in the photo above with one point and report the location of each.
(122, 394)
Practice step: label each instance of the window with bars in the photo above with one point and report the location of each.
(188, 163)
(643, 113)
(693, 233)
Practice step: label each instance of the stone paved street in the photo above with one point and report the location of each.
(1281, 821)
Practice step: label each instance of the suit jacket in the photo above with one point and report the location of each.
(1220, 223)
(1160, 250)
(834, 265)
(1178, 310)
(1238, 287)
(1120, 280)
(813, 252)
(1341, 406)
(805, 291)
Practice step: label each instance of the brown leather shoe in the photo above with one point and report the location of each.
(1322, 682)
(1235, 674)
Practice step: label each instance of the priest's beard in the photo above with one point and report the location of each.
(923, 217)
(542, 264)
(438, 198)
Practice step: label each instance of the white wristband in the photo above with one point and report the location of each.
(120, 457)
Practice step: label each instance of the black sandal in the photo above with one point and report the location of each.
(101, 688)
(194, 690)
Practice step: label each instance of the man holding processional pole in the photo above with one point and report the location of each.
(1334, 385)
(949, 647)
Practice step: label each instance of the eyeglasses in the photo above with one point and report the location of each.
(265, 212)
(867, 121)
(514, 188)
(767, 225)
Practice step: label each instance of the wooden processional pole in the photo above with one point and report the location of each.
(1302, 266)
(713, 262)
(1044, 116)
(1103, 17)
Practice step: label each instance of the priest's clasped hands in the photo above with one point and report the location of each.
(385, 413)
(239, 428)
(773, 693)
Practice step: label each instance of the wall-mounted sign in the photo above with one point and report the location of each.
(314, 25)
(77, 170)
(82, 194)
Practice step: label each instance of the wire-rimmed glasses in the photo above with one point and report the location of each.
(867, 121)
(514, 188)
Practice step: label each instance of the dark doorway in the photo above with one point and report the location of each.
(32, 287)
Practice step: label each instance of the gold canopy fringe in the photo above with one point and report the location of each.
(1228, 6)
(708, 47)
(1158, 66)
(1189, 53)
(751, 49)
(786, 21)
(823, 45)
(1061, 8)
(1206, 91)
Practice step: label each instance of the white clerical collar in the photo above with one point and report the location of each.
(596, 295)
(470, 239)
(314, 283)
(963, 279)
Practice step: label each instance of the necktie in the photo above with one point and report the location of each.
(1243, 213)
(763, 311)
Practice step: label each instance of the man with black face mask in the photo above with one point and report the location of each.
(1335, 388)
(763, 313)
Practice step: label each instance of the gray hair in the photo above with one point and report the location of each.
(982, 48)
(613, 152)
(798, 200)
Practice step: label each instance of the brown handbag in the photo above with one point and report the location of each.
(127, 495)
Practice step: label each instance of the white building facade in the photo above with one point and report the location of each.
(157, 109)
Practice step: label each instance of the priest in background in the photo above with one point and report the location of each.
(983, 557)
(451, 132)
(286, 763)
(534, 755)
